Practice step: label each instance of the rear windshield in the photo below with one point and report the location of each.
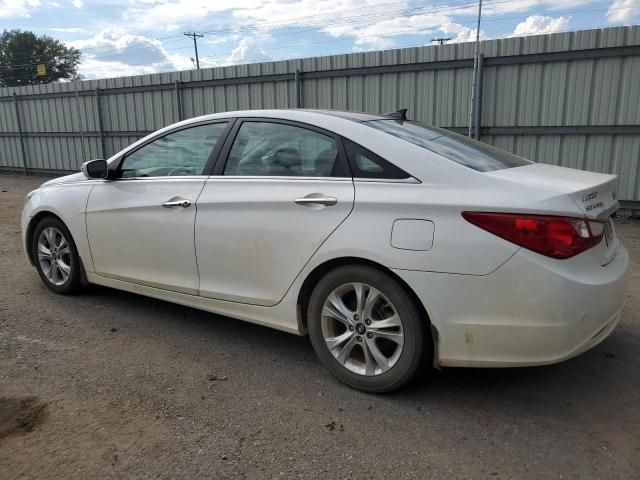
(460, 149)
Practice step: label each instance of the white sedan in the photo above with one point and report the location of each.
(389, 242)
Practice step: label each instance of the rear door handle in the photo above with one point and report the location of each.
(177, 203)
(327, 201)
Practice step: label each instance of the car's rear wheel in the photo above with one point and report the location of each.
(56, 257)
(366, 329)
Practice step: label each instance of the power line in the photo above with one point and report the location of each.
(371, 18)
(397, 32)
(422, 10)
(351, 20)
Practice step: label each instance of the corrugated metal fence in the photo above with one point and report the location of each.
(571, 99)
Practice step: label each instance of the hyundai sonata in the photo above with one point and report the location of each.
(387, 241)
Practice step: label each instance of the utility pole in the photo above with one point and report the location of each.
(440, 40)
(475, 68)
(195, 37)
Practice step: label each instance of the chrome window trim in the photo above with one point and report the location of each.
(193, 178)
(279, 178)
(409, 180)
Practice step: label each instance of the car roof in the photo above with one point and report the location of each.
(292, 114)
(355, 116)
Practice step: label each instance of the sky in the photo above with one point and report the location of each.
(131, 37)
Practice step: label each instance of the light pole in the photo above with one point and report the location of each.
(475, 69)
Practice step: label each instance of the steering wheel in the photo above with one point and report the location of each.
(180, 171)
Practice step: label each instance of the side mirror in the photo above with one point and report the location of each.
(95, 168)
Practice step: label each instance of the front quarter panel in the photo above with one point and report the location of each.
(68, 202)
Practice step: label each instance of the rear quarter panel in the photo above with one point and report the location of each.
(458, 247)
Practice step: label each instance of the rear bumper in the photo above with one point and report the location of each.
(531, 311)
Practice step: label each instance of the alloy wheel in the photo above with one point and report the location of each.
(54, 256)
(362, 329)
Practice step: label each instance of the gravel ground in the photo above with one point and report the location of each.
(113, 385)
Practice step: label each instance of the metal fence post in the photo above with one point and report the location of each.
(298, 88)
(477, 104)
(100, 125)
(20, 135)
(178, 101)
(80, 124)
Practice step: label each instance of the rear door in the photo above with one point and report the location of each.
(283, 189)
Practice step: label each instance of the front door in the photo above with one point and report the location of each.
(141, 224)
(283, 190)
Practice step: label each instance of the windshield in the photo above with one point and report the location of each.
(463, 150)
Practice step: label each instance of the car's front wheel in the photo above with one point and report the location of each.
(366, 329)
(55, 256)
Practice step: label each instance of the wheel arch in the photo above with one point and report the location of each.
(37, 218)
(304, 294)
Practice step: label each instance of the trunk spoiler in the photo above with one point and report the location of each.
(605, 214)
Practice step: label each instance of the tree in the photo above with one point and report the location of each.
(21, 52)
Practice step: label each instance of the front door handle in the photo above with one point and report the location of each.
(309, 200)
(177, 203)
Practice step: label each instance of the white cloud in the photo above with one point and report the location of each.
(68, 29)
(409, 20)
(92, 69)
(377, 34)
(172, 15)
(265, 15)
(78, 3)
(248, 24)
(623, 11)
(218, 39)
(249, 49)
(464, 34)
(370, 23)
(17, 8)
(521, 6)
(114, 52)
(539, 24)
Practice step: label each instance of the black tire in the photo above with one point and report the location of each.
(73, 283)
(413, 326)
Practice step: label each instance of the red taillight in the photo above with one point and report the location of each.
(557, 237)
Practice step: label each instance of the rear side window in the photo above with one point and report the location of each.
(458, 148)
(366, 164)
(275, 149)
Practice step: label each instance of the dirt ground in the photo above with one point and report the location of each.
(113, 385)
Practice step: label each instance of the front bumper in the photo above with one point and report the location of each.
(24, 226)
(533, 310)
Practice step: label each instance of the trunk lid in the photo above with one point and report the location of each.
(594, 194)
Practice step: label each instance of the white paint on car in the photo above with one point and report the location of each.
(244, 247)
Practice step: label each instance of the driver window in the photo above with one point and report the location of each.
(184, 152)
